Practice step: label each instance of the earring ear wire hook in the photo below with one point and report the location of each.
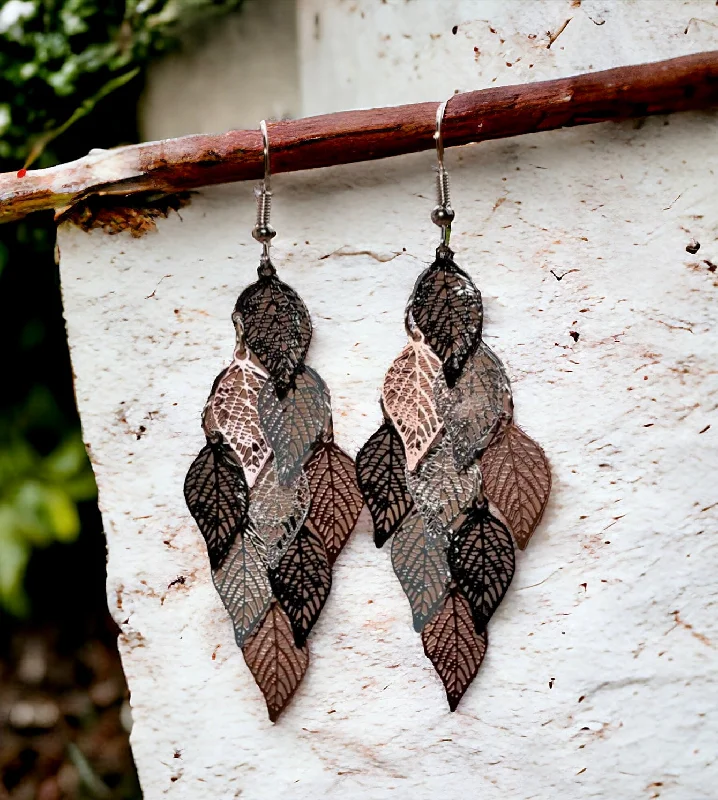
(442, 214)
(263, 232)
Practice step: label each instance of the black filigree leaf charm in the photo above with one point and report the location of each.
(421, 565)
(294, 423)
(301, 582)
(441, 492)
(216, 494)
(475, 407)
(482, 562)
(232, 411)
(381, 473)
(277, 512)
(446, 307)
(518, 481)
(454, 647)
(243, 584)
(277, 664)
(336, 499)
(277, 327)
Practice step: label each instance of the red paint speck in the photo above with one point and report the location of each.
(22, 173)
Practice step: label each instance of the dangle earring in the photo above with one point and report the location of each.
(272, 494)
(448, 473)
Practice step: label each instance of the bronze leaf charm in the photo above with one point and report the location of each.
(446, 307)
(336, 499)
(216, 494)
(420, 564)
(517, 478)
(408, 396)
(276, 662)
(277, 327)
(482, 562)
(301, 582)
(454, 647)
(381, 474)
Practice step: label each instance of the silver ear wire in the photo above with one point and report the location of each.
(442, 214)
(263, 232)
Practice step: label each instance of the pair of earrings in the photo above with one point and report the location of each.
(448, 476)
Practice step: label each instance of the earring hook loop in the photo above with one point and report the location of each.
(442, 214)
(263, 232)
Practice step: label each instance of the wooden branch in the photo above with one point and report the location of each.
(679, 84)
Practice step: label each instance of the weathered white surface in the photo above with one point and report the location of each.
(600, 681)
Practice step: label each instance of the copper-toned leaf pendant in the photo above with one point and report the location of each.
(301, 582)
(446, 307)
(381, 474)
(216, 494)
(455, 648)
(475, 407)
(482, 562)
(232, 411)
(441, 492)
(421, 565)
(408, 397)
(517, 478)
(277, 664)
(278, 511)
(296, 422)
(336, 499)
(243, 585)
(277, 327)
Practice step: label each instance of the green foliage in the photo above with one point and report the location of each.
(70, 76)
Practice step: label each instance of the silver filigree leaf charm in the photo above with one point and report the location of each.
(474, 408)
(277, 511)
(294, 423)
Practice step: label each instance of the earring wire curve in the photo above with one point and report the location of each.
(442, 214)
(263, 232)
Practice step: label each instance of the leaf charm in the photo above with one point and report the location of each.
(381, 474)
(441, 492)
(336, 499)
(421, 566)
(232, 410)
(294, 423)
(446, 306)
(482, 562)
(454, 647)
(408, 396)
(243, 585)
(277, 327)
(517, 477)
(301, 582)
(277, 664)
(277, 512)
(216, 494)
(475, 407)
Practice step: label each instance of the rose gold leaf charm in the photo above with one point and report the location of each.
(232, 410)
(455, 648)
(277, 664)
(408, 397)
(517, 480)
(336, 499)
